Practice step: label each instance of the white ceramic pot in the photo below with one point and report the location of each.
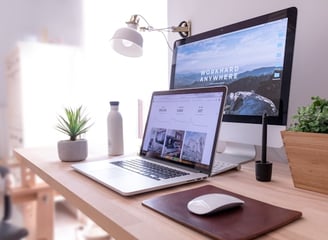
(72, 151)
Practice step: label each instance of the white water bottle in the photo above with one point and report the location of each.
(115, 130)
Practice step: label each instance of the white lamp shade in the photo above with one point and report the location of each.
(128, 42)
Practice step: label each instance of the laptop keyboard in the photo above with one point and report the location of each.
(151, 170)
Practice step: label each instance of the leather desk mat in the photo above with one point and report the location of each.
(252, 220)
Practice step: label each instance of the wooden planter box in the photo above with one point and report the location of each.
(307, 155)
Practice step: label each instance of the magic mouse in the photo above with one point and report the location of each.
(212, 203)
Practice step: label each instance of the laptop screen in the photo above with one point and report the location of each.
(182, 126)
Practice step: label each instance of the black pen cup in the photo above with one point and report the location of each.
(263, 171)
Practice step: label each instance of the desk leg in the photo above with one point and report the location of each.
(38, 216)
(38, 213)
(45, 215)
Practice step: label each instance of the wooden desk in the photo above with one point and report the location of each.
(35, 199)
(125, 217)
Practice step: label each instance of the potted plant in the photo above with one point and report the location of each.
(73, 123)
(306, 145)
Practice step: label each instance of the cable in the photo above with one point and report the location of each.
(161, 30)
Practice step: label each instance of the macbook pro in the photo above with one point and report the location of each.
(178, 145)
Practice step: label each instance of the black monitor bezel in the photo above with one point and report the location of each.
(291, 14)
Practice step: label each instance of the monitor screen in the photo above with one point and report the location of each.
(253, 58)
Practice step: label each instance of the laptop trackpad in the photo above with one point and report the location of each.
(124, 183)
(114, 174)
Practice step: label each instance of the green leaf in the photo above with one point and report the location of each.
(73, 123)
(312, 118)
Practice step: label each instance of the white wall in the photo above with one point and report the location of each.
(45, 20)
(51, 20)
(311, 50)
(103, 75)
(110, 76)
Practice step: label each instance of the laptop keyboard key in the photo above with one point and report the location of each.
(149, 169)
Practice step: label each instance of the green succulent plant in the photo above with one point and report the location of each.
(312, 118)
(73, 123)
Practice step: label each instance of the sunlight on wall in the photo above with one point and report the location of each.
(110, 76)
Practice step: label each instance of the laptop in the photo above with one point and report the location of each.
(178, 144)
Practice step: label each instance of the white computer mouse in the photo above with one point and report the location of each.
(212, 203)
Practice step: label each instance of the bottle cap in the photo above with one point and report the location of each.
(114, 103)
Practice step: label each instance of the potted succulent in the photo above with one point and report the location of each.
(73, 123)
(306, 145)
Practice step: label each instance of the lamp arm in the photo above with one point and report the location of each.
(184, 28)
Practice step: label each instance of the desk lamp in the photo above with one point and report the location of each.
(128, 41)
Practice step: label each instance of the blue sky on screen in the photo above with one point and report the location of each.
(251, 48)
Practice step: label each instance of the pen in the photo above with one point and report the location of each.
(264, 136)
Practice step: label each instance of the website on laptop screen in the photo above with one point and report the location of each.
(182, 127)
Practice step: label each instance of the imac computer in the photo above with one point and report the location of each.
(253, 58)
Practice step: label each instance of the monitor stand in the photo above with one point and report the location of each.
(235, 152)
